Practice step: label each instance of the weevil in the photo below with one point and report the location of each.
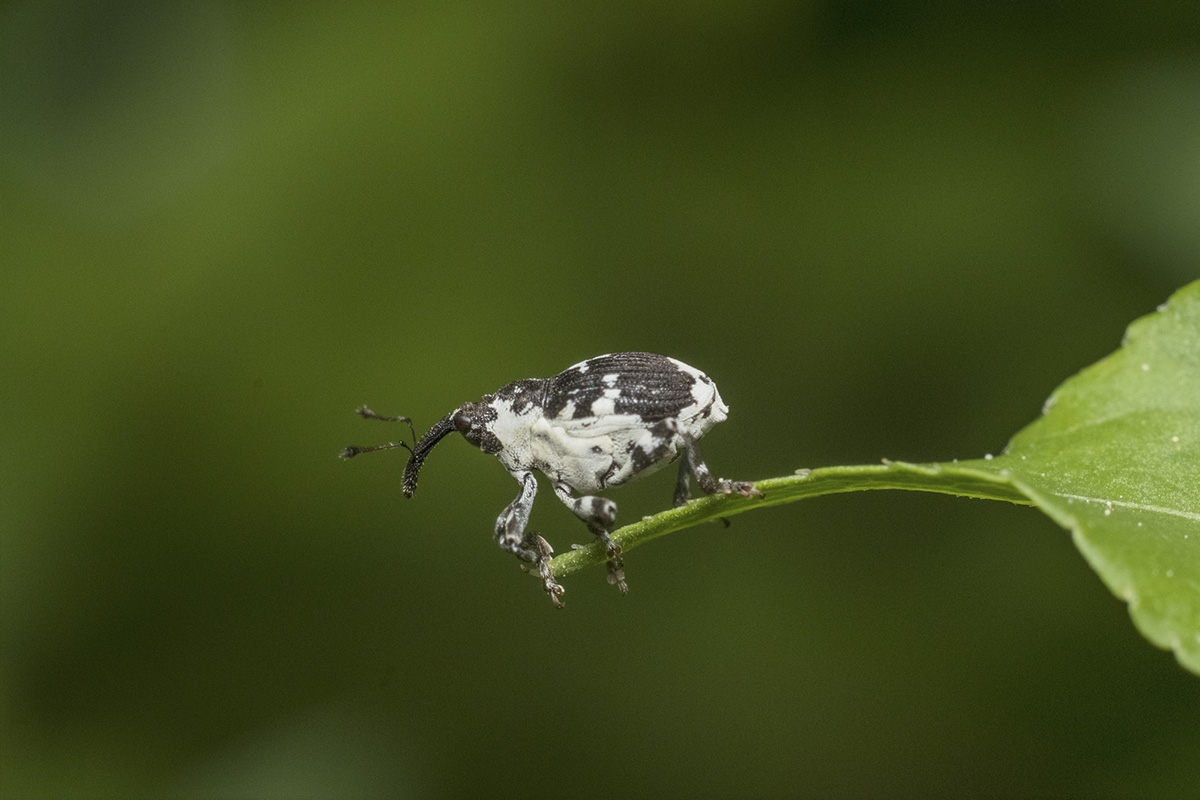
(591, 427)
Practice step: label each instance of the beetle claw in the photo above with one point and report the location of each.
(543, 552)
(552, 587)
(616, 566)
(616, 577)
(744, 488)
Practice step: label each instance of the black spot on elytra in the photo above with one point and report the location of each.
(648, 385)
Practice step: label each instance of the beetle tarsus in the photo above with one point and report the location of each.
(538, 551)
(615, 565)
(553, 587)
(744, 488)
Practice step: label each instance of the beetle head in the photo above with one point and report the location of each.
(474, 421)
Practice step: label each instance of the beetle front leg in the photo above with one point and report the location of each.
(528, 546)
(599, 514)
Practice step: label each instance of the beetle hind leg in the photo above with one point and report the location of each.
(704, 477)
(683, 489)
(683, 492)
(598, 513)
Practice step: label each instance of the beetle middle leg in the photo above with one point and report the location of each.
(528, 546)
(598, 513)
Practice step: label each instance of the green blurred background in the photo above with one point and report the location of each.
(885, 229)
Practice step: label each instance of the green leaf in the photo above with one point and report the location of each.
(1115, 459)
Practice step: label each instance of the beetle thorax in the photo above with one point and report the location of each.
(514, 409)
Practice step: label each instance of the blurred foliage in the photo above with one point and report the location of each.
(885, 229)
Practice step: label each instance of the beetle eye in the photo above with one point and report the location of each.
(462, 423)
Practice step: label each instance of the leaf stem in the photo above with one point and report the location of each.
(964, 479)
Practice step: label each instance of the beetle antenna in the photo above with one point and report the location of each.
(432, 436)
(352, 451)
(366, 413)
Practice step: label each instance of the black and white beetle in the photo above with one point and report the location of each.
(593, 426)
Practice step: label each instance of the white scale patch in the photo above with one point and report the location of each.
(513, 430)
(575, 457)
(604, 406)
